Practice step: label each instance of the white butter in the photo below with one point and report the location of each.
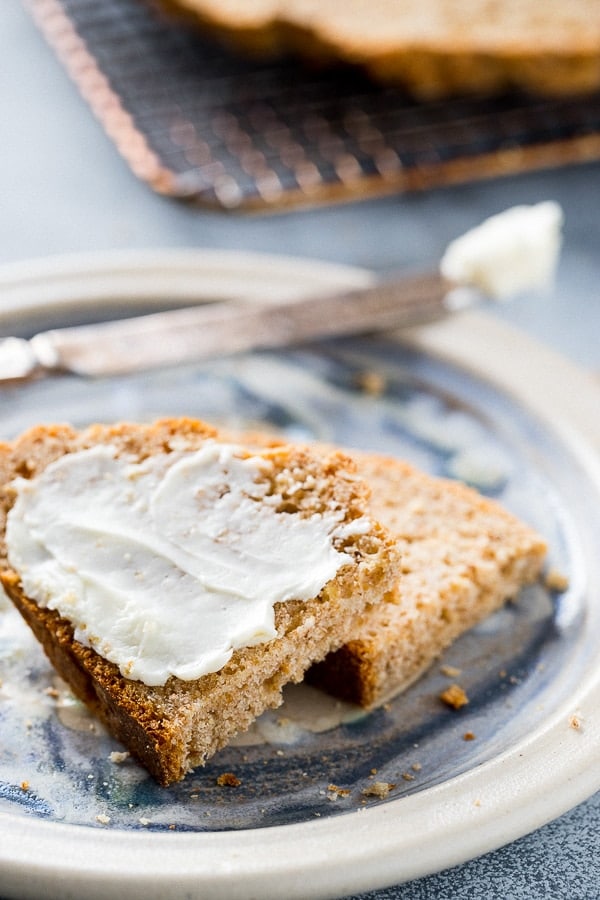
(514, 251)
(166, 566)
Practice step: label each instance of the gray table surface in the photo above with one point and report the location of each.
(64, 189)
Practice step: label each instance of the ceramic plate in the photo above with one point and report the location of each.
(468, 398)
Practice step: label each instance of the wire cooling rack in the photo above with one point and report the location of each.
(197, 121)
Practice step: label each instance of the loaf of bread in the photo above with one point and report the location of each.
(462, 557)
(174, 726)
(432, 47)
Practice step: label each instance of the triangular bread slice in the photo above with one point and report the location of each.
(173, 727)
(462, 556)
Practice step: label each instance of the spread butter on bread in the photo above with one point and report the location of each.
(177, 581)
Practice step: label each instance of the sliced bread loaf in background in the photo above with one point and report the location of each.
(431, 47)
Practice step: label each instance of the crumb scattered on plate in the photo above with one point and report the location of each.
(371, 382)
(454, 696)
(450, 671)
(378, 789)
(556, 581)
(336, 791)
(228, 779)
(118, 756)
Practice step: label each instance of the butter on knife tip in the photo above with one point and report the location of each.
(507, 254)
(514, 251)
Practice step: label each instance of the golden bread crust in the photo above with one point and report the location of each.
(433, 48)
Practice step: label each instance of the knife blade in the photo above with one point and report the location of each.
(197, 333)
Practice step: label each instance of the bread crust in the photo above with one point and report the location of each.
(433, 49)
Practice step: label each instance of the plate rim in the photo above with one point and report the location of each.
(525, 786)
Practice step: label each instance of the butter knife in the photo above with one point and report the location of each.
(217, 329)
(488, 261)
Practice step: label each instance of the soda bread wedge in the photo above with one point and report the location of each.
(433, 47)
(282, 523)
(462, 557)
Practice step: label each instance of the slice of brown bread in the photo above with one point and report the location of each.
(174, 727)
(462, 557)
(433, 47)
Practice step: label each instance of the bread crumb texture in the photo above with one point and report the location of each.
(462, 557)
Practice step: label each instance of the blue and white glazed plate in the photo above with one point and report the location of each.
(468, 398)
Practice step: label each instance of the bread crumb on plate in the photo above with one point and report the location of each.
(378, 789)
(454, 696)
(228, 779)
